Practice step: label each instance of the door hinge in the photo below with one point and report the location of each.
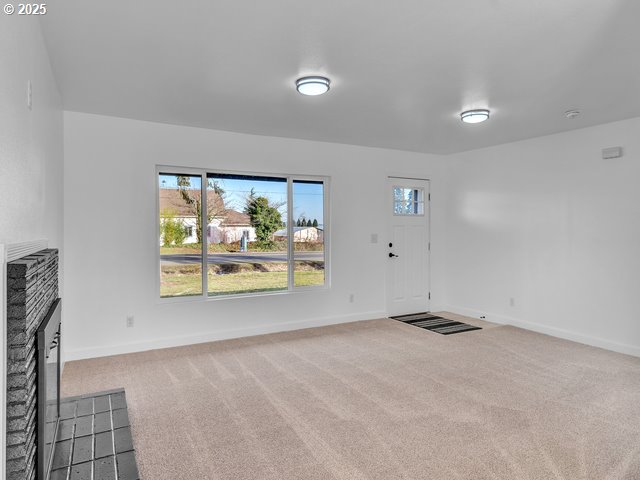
(429, 295)
(429, 246)
(429, 197)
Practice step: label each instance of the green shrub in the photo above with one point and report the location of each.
(172, 230)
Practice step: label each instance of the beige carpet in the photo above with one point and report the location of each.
(378, 400)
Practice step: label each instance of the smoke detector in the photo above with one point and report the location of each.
(571, 114)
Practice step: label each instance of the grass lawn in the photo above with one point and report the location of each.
(189, 283)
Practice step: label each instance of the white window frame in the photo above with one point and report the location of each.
(291, 288)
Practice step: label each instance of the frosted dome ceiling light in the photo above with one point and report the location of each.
(474, 116)
(313, 85)
(571, 114)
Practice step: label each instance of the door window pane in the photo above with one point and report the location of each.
(308, 233)
(408, 201)
(247, 252)
(179, 237)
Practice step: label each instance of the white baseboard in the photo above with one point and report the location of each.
(547, 330)
(104, 351)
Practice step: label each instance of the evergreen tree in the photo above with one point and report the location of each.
(315, 222)
(266, 219)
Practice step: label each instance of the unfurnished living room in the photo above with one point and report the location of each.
(277, 240)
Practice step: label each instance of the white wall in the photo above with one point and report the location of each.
(111, 239)
(550, 224)
(31, 155)
(31, 148)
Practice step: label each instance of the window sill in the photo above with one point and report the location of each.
(240, 296)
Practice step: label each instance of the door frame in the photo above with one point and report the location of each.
(427, 211)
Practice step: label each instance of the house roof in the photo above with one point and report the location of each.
(233, 217)
(171, 200)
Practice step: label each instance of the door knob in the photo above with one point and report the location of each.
(391, 255)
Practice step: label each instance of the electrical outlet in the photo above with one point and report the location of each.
(352, 297)
(130, 321)
(374, 238)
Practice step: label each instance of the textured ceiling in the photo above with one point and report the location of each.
(401, 71)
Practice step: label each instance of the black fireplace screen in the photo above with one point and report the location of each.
(48, 387)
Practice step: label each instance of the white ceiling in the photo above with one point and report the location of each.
(401, 71)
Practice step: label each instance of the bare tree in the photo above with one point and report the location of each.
(192, 197)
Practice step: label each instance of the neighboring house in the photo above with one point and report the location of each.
(227, 226)
(230, 228)
(301, 234)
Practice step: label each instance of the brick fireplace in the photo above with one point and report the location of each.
(32, 288)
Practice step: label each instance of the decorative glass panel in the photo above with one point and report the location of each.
(408, 201)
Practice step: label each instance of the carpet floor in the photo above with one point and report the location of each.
(378, 400)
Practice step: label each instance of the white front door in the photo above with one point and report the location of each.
(408, 246)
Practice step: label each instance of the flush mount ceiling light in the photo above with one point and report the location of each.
(313, 85)
(474, 116)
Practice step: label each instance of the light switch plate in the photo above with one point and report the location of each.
(29, 94)
(611, 152)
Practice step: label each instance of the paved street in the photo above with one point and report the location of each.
(253, 257)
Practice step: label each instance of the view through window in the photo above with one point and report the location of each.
(180, 249)
(245, 254)
(253, 242)
(308, 232)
